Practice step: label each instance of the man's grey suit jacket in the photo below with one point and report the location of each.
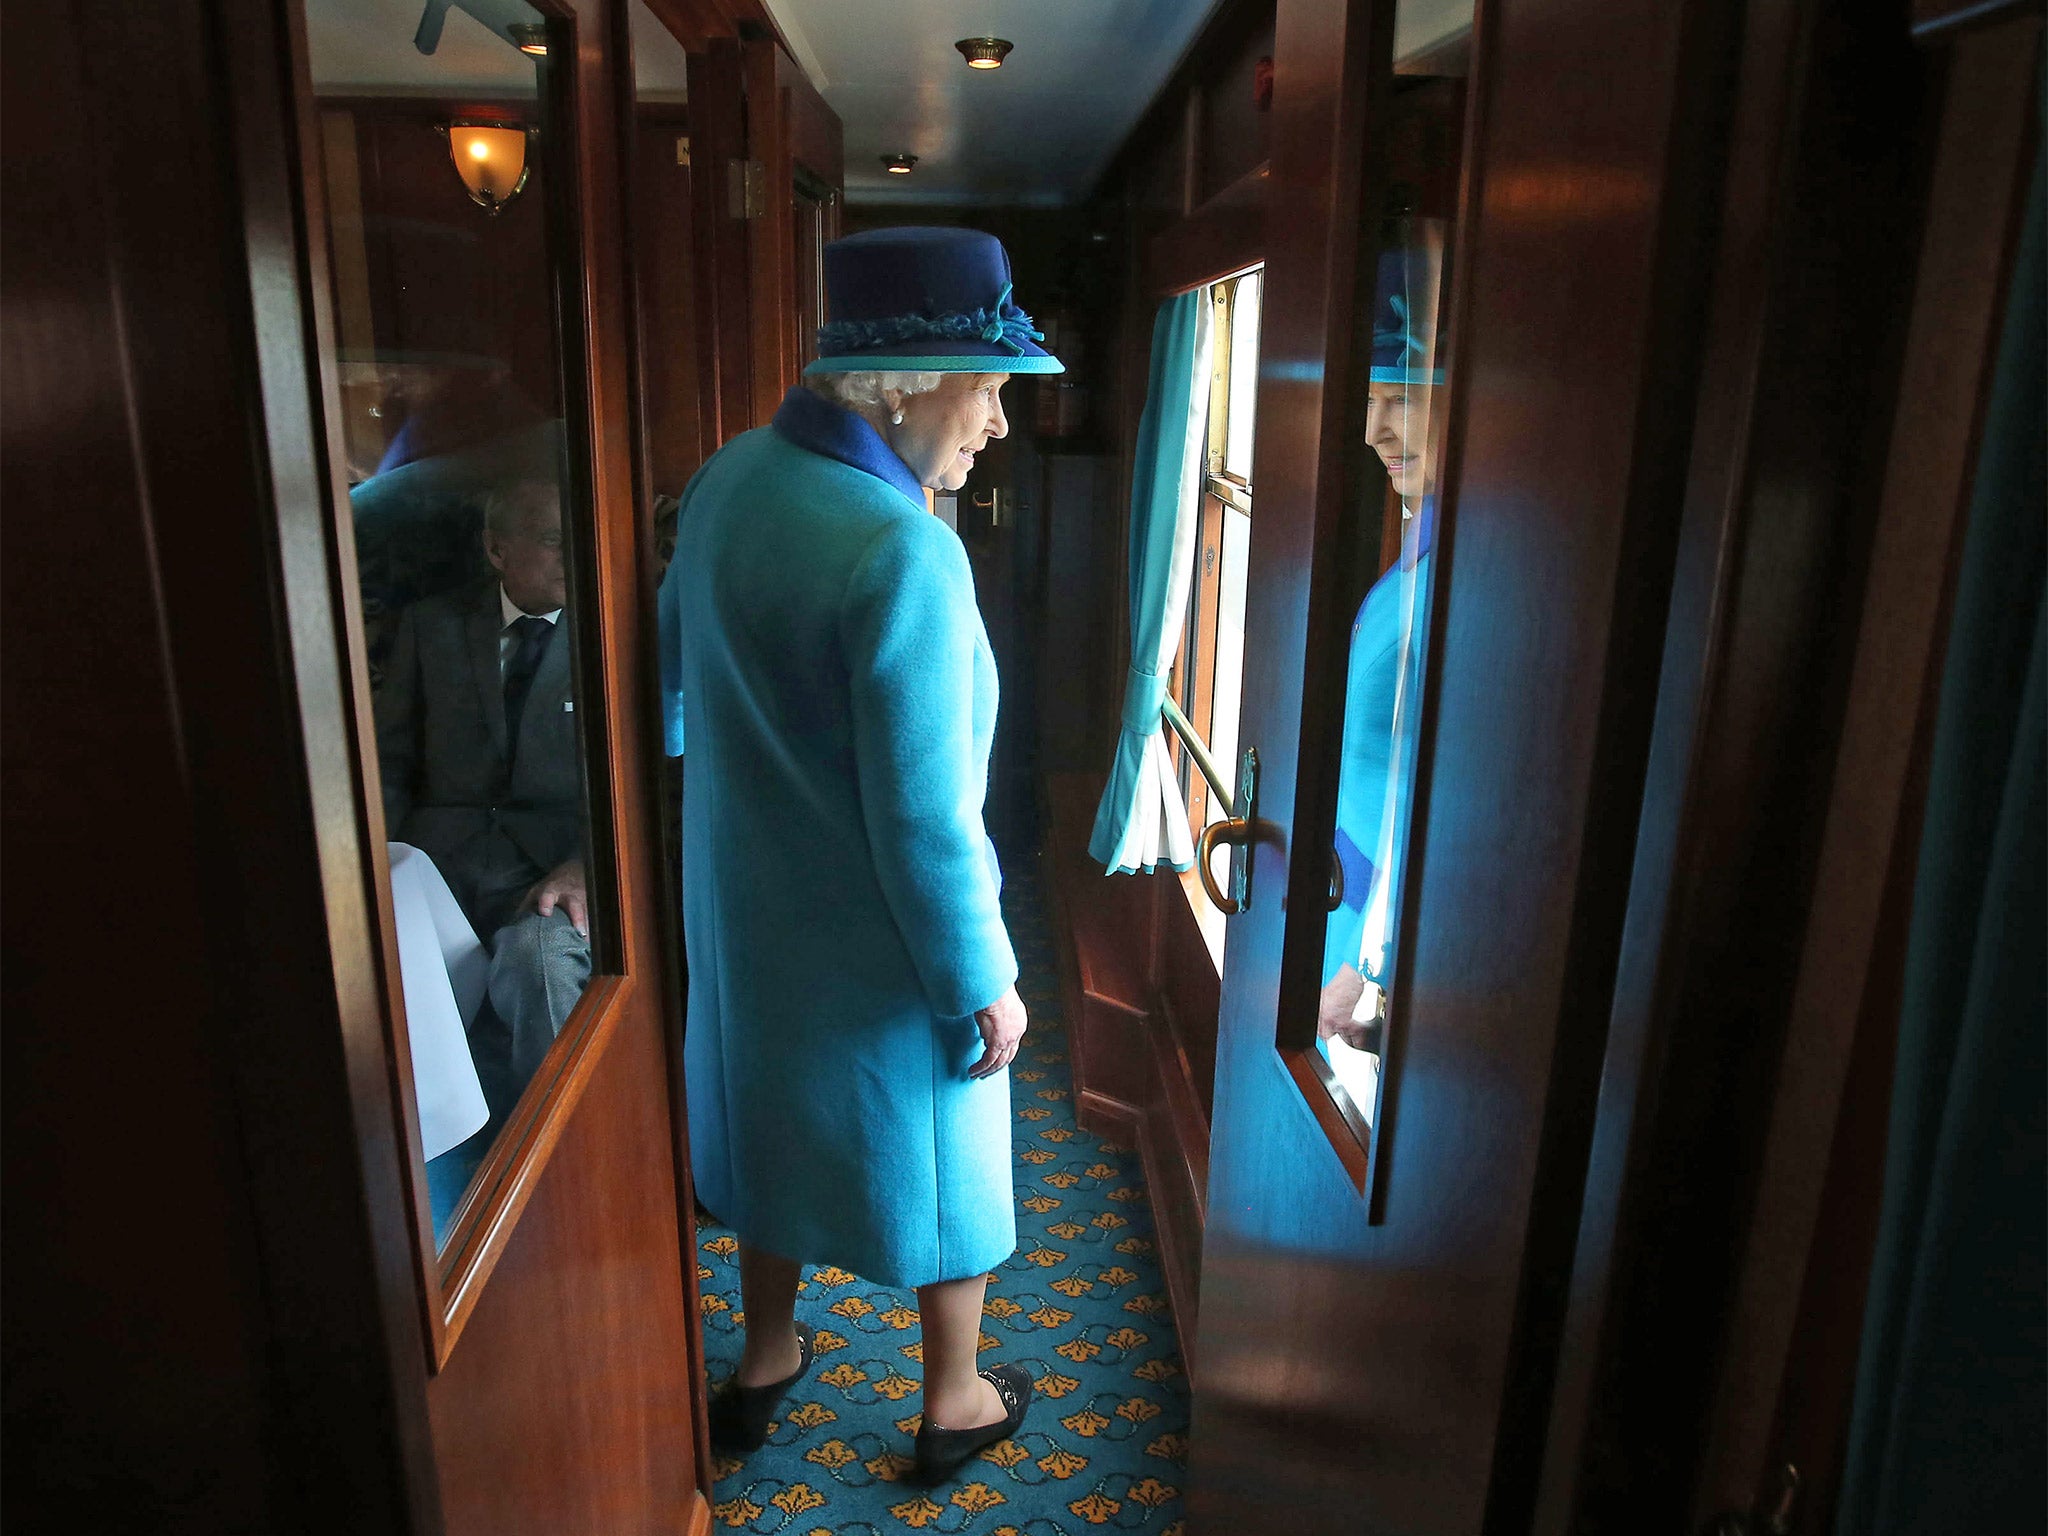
(492, 827)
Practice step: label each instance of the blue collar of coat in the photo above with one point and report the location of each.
(811, 421)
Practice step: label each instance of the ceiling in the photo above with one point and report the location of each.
(1038, 131)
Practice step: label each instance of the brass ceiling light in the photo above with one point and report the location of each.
(984, 52)
(530, 38)
(899, 165)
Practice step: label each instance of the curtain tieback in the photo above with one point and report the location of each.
(1144, 694)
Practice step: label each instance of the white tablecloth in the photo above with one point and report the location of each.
(443, 969)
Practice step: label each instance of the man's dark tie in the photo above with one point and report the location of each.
(529, 644)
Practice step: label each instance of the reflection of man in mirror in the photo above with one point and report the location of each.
(477, 745)
(1384, 672)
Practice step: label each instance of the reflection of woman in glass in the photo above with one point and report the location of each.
(1383, 676)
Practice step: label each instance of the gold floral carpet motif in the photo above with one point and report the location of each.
(1081, 1304)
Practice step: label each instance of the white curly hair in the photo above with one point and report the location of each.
(869, 389)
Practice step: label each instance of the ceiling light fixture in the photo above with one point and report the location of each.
(898, 165)
(530, 38)
(984, 52)
(491, 159)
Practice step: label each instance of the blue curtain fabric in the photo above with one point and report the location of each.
(1142, 820)
(1951, 1409)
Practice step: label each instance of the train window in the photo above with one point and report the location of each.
(463, 452)
(1208, 674)
(1386, 555)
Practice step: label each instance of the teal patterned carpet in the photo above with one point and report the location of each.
(1081, 1305)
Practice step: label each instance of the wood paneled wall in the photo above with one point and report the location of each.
(676, 365)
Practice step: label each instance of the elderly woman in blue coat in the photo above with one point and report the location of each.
(852, 1000)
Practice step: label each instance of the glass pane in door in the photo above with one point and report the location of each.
(441, 138)
(1388, 547)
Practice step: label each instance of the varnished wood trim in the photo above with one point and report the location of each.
(1181, 1104)
(696, 22)
(485, 1220)
(1155, 1107)
(669, 896)
(283, 217)
(1098, 1111)
(1335, 1111)
(1178, 1252)
(699, 1517)
(1224, 236)
(1846, 980)
(770, 236)
(346, 594)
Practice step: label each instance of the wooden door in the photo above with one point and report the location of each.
(464, 290)
(795, 188)
(1387, 1241)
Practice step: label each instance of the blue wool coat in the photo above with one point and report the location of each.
(1372, 752)
(823, 658)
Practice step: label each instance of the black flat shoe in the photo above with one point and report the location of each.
(739, 1416)
(942, 1452)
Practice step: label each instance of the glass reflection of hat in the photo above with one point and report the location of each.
(1404, 341)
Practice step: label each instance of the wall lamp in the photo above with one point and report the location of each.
(984, 52)
(491, 159)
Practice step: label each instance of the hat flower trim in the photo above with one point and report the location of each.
(1005, 325)
(1401, 334)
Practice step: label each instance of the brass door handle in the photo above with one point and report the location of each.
(1234, 832)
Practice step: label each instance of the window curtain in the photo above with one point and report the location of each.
(1949, 1419)
(1142, 820)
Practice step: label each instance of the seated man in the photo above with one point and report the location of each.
(477, 743)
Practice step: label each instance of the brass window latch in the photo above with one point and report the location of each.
(1233, 832)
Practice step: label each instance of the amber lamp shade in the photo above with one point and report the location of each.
(491, 160)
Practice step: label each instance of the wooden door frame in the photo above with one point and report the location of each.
(187, 188)
(452, 1279)
(1740, 1123)
(1597, 189)
(629, 1004)
(788, 125)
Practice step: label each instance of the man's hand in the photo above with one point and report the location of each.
(1002, 1025)
(564, 886)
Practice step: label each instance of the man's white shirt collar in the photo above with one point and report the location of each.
(511, 611)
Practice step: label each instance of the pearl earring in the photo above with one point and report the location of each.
(897, 419)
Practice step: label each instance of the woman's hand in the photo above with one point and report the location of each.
(1002, 1025)
(1339, 1003)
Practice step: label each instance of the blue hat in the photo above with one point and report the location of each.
(1403, 345)
(924, 300)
